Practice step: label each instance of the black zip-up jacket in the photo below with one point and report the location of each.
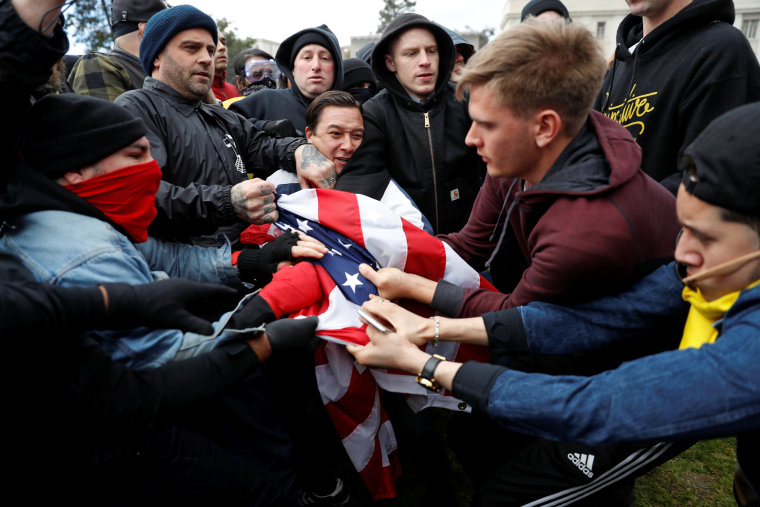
(420, 145)
(203, 151)
(685, 73)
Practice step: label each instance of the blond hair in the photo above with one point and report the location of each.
(540, 65)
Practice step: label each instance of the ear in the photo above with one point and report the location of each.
(389, 63)
(141, 29)
(308, 133)
(72, 177)
(548, 126)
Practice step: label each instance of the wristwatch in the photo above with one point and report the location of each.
(425, 378)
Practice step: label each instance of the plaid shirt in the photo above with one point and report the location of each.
(104, 76)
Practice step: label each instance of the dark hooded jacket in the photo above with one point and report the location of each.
(594, 224)
(289, 103)
(686, 72)
(420, 145)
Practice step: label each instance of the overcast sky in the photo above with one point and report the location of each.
(277, 19)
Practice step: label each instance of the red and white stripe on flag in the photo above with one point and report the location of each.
(350, 391)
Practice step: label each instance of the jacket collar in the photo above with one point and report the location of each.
(182, 104)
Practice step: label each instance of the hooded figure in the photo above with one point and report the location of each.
(291, 103)
(667, 86)
(419, 143)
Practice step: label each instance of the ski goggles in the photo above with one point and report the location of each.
(256, 70)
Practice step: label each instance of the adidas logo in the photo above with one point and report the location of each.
(584, 462)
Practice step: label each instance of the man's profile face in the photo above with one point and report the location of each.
(414, 59)
(458, 68)
(221, 57)
(708, 240)
(137, 152)
(503, 139)
(187, 63)
(337, 134)
(313, 70)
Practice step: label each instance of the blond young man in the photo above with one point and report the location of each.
(708, 388)
(559, 219)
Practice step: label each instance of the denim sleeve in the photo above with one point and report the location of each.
(681, 394)
(652, 309)
(201, 264)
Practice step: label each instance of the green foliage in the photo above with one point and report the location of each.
(391, 9)
(235, 44)
(89, 23)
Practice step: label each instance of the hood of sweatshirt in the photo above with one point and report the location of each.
(287, 52)
(600, 158)
(446, 52)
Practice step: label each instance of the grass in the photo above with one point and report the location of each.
(702, 475)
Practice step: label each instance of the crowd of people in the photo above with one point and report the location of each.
(609, 206)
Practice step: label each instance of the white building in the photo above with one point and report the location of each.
(602, 17)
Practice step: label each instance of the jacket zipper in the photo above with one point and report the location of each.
(432, 161)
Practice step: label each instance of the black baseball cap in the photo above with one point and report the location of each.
(722, 165)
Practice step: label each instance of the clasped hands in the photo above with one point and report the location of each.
(399, 348)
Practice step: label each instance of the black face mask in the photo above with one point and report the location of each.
(258, 85)
(361, 95)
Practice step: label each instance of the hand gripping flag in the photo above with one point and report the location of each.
(357, 229)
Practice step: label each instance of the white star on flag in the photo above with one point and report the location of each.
(352, 281)
(304, 225)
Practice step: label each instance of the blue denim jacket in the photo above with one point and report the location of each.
(708, 392)
(68, 249)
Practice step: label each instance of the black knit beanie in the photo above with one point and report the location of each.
(536, 7)
(722, 165)
(311, 37)
(62, 133)
(165, 25)
(355, 72)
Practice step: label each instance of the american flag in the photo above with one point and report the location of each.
(357, 229)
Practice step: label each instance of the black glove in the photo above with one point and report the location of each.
(256, 265)
(253, 314)
(279, 128)
(292, 334)
(170, 304)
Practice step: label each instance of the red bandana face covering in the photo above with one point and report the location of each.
(127, 196)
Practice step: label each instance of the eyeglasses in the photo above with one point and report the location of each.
(256, 70)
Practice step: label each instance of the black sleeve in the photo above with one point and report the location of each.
(35, 307)
(506, 334)
(190, 211)
(447, 298)
(264, 154)
(473, 383)
(105, 402)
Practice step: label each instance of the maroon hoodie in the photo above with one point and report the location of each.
(593, 225)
